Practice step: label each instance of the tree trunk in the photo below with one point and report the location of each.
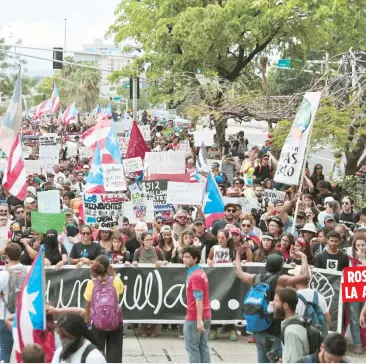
(354, 155)
(220, 132)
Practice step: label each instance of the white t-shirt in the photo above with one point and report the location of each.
(308, 294)
(95, 356)
(221, 255)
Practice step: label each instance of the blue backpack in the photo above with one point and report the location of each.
(314, 313)
(256, 303)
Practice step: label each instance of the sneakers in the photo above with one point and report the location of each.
(213, 335)
(251, 340)
(233, 336)
(358, 350)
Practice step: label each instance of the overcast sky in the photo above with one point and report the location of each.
(41, 23)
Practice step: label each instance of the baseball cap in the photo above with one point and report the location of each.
(85, 166)
(68, 211)
(29, 200)
(328, 199)
(215, 165)
(274, 263)
(328, 217)
(214, 145)
(165, 229)
(277, 202)
(36, 180)
(32, 190)
(235, 230)
(301, 214)
(198, 220)
(301, 241)
(309, 227)
(50, 174)
(276, 219)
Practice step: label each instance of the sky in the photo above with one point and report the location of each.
(41, 23)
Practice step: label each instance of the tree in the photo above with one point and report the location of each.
(224, 39)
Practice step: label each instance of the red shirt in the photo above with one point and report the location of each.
(197, 281)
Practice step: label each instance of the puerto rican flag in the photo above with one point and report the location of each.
(70, 114)
(55, 98)
(95, 180)
(213, 204)
(106, 114)
(29, 325)
(99, 111)
(97, 133)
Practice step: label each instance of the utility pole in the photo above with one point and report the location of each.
(134, 100)
(65, 35)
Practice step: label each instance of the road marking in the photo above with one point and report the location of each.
(217, 354)
(167, 355)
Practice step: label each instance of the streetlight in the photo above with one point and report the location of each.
(65, 35)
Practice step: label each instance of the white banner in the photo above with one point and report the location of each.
(293, 152)
(270, 195)
(166, 162)
(206, 136)
(132, 165)
(49, 151)
(183, 193)
(72, 149)
(145, 131)
(247, 204)
(114, 178)
(85, 152)
(49, 202)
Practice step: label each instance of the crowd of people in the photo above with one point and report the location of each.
(326, 232)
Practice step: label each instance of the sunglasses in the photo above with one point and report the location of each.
(181, 217)
(230, 210)
(246, 225)
(19, 212)
(85, 233)
(319, 167)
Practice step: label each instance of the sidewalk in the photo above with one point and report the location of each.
(169, 348)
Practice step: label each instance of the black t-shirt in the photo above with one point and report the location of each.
(132, 245)
(207, 240)
(262, 172)
(338, 261)
(55, 255)
(90, 251)
(353, 217)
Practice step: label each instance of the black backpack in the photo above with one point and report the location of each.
(87, 351)
(315, 334)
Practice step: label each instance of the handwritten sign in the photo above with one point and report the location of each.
(184, 146)
(132, 165)
(49, 150)
(32, 166)
(85, 152)
(145, 131)
(107, 210)
(123, 144)
(270, 195)
(114, 179)
(247, 204)
(42, 222)
(157, 192)
(143, 208)
(182, 193)
(166, 162)
(49, 202)
(72, 149)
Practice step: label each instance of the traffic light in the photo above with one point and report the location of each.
(58, 56)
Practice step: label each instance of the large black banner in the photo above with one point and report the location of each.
(159, 294)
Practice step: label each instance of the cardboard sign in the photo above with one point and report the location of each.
(123, 144)
(42, 222)
(114, 179)
(205, 136)
(107, 210)
(166, 162)
(247, 204)
(181, 193)
(143, 208)
(85, 152)
(132, 165)
(32, 166)
(145, 131)
(49, 202)
(157, 192)
(49, 151)
(270, 195)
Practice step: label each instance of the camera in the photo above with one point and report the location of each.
(273, 356)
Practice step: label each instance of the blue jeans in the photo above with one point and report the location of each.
(6, 342)
(354, 309)
(265, 343)
(197, 344)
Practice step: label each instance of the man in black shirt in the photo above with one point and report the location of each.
(347, 214)
(229, 219)
(331, 350)
(263, 170)
(332, 258)
(206, 240)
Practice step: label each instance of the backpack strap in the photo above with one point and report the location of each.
(292, 322)
(316, 298)
(302, 298)
(137, 254)
(87, 351)
(127, 255)
(158, 252)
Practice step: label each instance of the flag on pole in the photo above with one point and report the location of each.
(55, 98)
(293, 152)
(99, 111)
(13, 118)
(107, 113)
(126, 116)
(29, 325)
(15, 180)
(213, 204)
(44, 108)
(110, 153)
(97, 133)
(59, 114)
(95, 180)
(137, 146)
(202, 159)
(70, 114)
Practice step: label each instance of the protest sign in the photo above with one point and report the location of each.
(157, 192)
(205, 136)
(2, 163)
(185, 177)
(114, 179)
(293, 151)
(132, 165)
(184, 146)
(32, 166)
(247, 204)
(270, 195)
(49, 201)
(181, 193)
(353, 285)
(85, 152)
(123, 144)
(72, 149)
(27, 151)
(119, 127)
(49, 150)
(228, 168)
(107, 210)
(166, 162)
(143, 208)
(162, 292)
(42, 222)
(145, 131)
(4, 235)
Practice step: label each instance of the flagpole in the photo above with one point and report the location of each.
(302, 177)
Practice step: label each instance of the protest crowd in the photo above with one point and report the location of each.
(151, 192)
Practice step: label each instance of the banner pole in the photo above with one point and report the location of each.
(302, 176)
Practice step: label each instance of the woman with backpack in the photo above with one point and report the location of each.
(102, 295)
(119, 254)
(78, 343)
(147, 253)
